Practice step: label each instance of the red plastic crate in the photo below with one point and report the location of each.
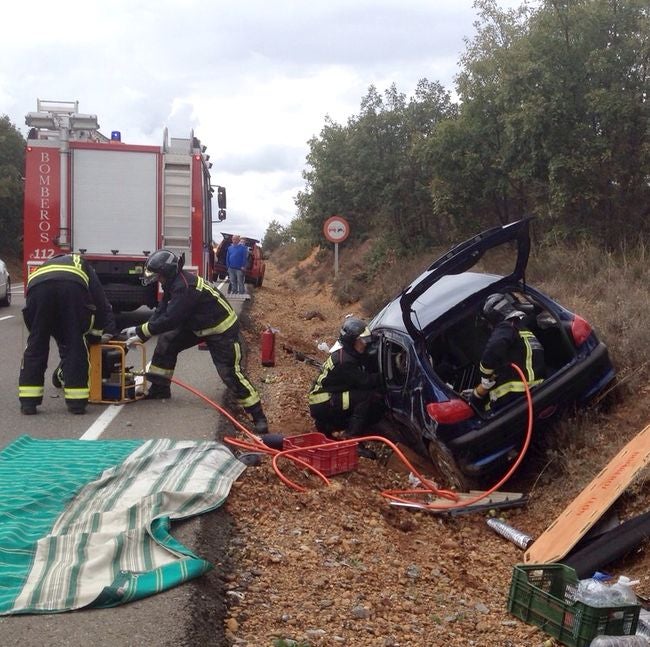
(328, 460)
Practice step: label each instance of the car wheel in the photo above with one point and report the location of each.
(446, 472)
(7, 300)
(259, 281)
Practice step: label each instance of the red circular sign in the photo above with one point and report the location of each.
(336, 229)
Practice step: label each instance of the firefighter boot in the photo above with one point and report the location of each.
(28, 408)
(158, 392)
(259, 419)
(76, 407)
(356, 428)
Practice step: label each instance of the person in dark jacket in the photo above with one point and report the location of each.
(510, 342)
(66, 301)
(192, 311)
(347, 395)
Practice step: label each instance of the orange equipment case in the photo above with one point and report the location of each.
(119, 388)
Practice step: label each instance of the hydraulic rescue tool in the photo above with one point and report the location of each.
(111, 380)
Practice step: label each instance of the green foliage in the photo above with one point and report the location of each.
(554, 115)
(370, 171)
(275, 236)
(552, 121)
(12, 162)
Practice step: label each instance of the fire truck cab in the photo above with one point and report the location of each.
(113, 202)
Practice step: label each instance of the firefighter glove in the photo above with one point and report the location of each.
(129, 332)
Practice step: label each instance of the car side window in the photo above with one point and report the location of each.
(395, 364)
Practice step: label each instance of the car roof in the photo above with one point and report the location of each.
(437, 301)
(457, 262)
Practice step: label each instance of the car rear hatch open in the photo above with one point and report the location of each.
(464, 257)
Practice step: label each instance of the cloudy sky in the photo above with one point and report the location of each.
(255, 79)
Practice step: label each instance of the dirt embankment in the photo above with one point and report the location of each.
(337, 565)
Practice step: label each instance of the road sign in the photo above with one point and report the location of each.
(336, 229)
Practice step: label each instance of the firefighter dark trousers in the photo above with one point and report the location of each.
(62, 310)
(352, 412)
(225, 350)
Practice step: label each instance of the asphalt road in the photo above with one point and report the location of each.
(190, 614)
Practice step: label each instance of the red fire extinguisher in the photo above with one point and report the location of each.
(268, 347)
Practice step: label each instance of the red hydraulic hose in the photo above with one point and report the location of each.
(394, 495)
(428, 488)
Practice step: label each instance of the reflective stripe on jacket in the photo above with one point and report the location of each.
(342, 372)
(73, 267)
(512, 344)
(65, 267)
(190, 302)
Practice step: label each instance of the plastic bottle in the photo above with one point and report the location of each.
(619, 641)
(594, 593)
(622, 591)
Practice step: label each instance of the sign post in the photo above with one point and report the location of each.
(336, 230)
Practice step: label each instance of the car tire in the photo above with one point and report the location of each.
(446, 471)
(259, 281)
(7, 300)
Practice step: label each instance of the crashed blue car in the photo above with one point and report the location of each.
(430, 339)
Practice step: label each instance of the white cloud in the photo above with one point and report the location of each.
(255, 80)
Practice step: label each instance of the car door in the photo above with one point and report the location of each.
(405, 385)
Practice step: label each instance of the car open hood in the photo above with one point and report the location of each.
(463, 257)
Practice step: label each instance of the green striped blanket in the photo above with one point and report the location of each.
(86, 523)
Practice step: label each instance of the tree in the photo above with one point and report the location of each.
(12, 163)
(371, 171)
(275, 236)
(553, 120)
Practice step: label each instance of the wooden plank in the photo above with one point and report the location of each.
(585, 510)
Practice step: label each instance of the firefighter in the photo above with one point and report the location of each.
(66, 301)
(192, 311)
(347, 395)
(510, 342)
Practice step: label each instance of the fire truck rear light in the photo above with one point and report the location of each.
(580, 330)
(447, 413)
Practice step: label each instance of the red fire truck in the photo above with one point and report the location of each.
(115, 203)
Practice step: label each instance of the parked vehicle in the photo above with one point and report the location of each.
(5, 285)
(430, 341)
(254, 269)
(115, 202)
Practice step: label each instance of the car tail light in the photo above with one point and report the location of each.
(580, 330)
(447, 413)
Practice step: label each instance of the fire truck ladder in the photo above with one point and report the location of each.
(177, 194)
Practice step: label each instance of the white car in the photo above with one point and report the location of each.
(5, 285)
